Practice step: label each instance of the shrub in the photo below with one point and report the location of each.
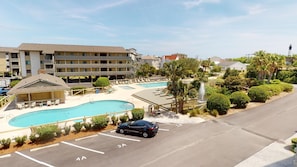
(5, 143)
(240, 99)
(33, 138)
(77, 126)
(20, 140)
(87, 125)
(137, 114)
(99, 122)
(13, 83)
(114, 119)
(294, 143)
(67, 130)
(58, 132)
(124, 118)
(287, 87)
(193, 93)
(102, 82)
(258, 94)
(193, 113)
(46, 132)
(219, 102)
(214, 112)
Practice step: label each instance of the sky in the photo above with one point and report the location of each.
(197, 28)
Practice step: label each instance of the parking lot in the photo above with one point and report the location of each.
(106, 148)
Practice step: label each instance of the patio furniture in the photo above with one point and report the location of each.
(57, 101)
(33, 104)
(48, 103)
(20, 105)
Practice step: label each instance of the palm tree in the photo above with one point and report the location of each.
(260, 61)
(174, 72)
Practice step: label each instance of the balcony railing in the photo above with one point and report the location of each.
(94, 73)
(93, 65)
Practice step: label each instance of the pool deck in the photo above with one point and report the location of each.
(272, 154)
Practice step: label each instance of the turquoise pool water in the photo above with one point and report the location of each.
(153, 84)
(58, 115)
(126, 87)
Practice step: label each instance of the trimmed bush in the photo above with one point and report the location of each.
(5, 143)
(287, 87)
(137, 113)
(124, 118)
(240, 99)
(258, 94)
(77, 126)
(102, 82)
(99, 122)
(46, 132)
(20, 140)
(218, 102)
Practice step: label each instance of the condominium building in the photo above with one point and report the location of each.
(9, 61)
(73, 60)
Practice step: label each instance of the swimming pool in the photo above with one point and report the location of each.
(153, 84)
(126, 87)
(58, 115)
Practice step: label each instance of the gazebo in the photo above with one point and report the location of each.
(41, 89)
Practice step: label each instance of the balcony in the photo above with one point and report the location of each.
(93, 73)
(93, 65)
(92, 58)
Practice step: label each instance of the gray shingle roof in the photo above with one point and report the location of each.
(39, 83)
(51, 48)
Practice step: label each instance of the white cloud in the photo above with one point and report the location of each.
(257, 9)
(194, 3)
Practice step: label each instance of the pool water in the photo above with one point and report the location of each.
(126, 87)
(153, 84)
(58, 115)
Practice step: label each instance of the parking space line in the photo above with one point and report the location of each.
(83, 148)
(167, 130)
(123, 138)
(5, 156)
(82, 138)
(33, 159)
(40, 148)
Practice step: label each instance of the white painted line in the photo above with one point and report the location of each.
(83, 148)
(35, 160)
(167, 130)
(112, 131)
(85, 137)
(5, 156)
(123, 138)
(40, 148)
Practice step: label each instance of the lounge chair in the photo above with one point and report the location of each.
(33, 104)
(57, 101)
(48, 103)
(20, 105)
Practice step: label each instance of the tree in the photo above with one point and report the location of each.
(174, 71)
(145, 70)
(234, 83)
(102, 82)
(190, 65)
(205, 64)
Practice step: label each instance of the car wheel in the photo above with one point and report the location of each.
(145, 135)
(122, 131)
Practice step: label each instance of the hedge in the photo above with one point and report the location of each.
(218, 102)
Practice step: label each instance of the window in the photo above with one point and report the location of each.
(28, 62)
(49, 66)
(103, 62)
(120, 62)
(96, 62)
(14, 55)
(15, 63)
(28, 71)
(71, 62)
(84, 62)
(41, 62)
(83, 54)
(103, 54)
(27, 53)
